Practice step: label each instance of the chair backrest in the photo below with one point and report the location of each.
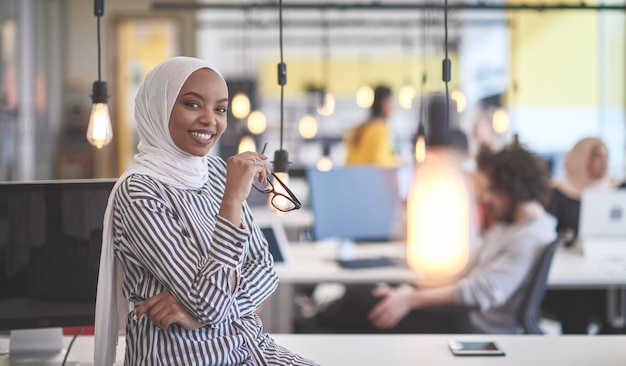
(528, 315)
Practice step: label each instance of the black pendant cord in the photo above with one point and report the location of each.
(282, 71)
(99, 51)
(446, 63)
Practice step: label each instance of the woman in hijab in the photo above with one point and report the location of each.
(585, 168)
(369, 143)
(183, 264)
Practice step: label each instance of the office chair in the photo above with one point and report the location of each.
(530, 308)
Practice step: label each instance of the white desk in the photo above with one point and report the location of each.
(316, 263)
(415, 350)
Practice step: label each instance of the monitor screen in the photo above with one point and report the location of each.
(50, 240)
(357, 203)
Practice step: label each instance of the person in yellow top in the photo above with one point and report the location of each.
(369, 142)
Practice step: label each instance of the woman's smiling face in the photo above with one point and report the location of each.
(199, 114)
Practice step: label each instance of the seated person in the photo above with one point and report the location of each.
(498, 276)
(180, 245)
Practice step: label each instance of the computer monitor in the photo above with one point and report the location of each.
(50, 240)
(361, 203)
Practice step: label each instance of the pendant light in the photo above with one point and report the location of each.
(439, 207)
(307, 126)
(257, 123)
(241, 105)
(99, 131)
(281, 156)
(325, 163)
(365, 96)
(461, 101)
(246, 143)
(500, 121)
(407, 91)
(326, 106)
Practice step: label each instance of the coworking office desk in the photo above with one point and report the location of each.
(316, 263)
(414, 350)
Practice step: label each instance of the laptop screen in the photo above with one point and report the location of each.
(272, 243)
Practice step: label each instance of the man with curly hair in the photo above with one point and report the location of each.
(498, 275)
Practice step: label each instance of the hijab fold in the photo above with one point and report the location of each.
(159, 158)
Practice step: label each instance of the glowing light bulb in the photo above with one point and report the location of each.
(278, 200)
(365, 96)
(99, 131)
(459, 98)
(324, 164)
(257, 122)
(406, 95)
(439, 218)
(501, 122)
(307, 126)
(246, 144)
(328, 107)
(240, 105)
(420, 149)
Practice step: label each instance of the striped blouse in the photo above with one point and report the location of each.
(173, 239)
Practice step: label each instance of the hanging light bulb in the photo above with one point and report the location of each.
(327, 106)
(459, 98)
(420, 145)
(406, 95)
(257, 122)
(500, 121)
(439, 207)
(99, 131)
(281, 166)
(241, 105)
(307, 126)
(365, 96)
(246, 144)
(325, 163)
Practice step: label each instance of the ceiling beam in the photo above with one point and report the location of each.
(378, 6)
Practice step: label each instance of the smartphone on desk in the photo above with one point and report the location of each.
(359, 263)
(473, 348)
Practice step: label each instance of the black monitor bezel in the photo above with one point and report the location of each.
(46, 320)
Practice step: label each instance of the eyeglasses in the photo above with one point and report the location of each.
(284, 201)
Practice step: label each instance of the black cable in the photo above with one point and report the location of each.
(446, 62)
(282, 71)
(99, 62)
(69, 348)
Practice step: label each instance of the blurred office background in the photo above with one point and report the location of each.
(557, 76)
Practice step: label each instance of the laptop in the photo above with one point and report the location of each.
(603, 224)
(277, 242)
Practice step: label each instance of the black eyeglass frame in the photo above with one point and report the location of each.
(291, 197)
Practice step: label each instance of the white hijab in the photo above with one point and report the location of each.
(160, 158)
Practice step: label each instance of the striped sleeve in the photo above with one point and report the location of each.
(157, 240)
(257, 279)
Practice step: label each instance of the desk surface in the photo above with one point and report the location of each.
(431, 350)
(314, 263)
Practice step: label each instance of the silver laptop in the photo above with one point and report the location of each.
(603, 224)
